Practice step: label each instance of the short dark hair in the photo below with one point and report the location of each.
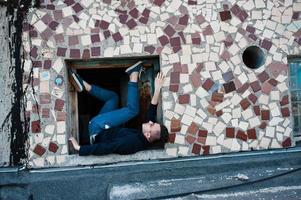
(163, 134)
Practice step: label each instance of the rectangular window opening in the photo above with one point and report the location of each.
(110, 74)
(295, 93)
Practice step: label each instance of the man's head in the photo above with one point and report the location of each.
(154, 132)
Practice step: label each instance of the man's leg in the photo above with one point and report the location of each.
(118, 117)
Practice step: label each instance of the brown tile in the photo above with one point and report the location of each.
(60, 116)
(175, 125)
(252, 134)
(225, 15)
(195, 79)
(184, 20)
(150, 49)
(59, 104)
(45, 98)
(208, 84)
(252, 98)
(273, 82)
(235, 9)
(122, 18)
(184, 99)
(265, 115)
(35, 127)
(255, 86)
(201, 140)
(284, 100)
(263, 76)
(287, 142)
(171, 138)
(241, 135)
(117, 37)
(208, 30)
(219, 113)
(131, 23)
(95, 51)
(230, 132)
(206, 150)
(250, 29)
(174, 88)
(266, 88)
(47, 64)
(158, 2)
(229, 87)
(74, 53)
(217, 97)
(77, 7)
(175, 41)
(134, 13)
(193, 128)
(211, 110)
(86, 54)
(196, 149)
(244, 104)
(263, 125)
(285, 112)
(163, 40)
(203, 133)
(243, 88)
(39, 150)
(45, 112)
(256, 110)
(61, 51)
(169, 30)
(190, 139)
(53, 147)
(59, 38)
(266, 44)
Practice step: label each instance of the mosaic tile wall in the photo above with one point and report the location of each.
(212, 103)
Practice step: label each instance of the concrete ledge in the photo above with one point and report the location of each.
(76, 160)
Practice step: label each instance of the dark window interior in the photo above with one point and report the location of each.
(114, 79)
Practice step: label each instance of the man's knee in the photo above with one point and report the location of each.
(134, 110)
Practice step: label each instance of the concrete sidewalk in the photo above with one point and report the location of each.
(237, 175)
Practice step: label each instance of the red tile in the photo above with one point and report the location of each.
(39, 150)
(163, 40)
(208, 84)
(208, 30)
(170, 31)
(273, 82)
(235, 9)
(241, 135)
(95, 38)
(230, 132)
(255, 86)
(284, 100)
(245, 104)
(202, 133)
(184, 20)
(175, 41)
(184, 99)
(265, 115)
(174, 77)
(158, 2)
(117, 37)
(35, 127)
(47, 64)
(45, 98)
(123, 18)
(86, 54)
(53, 147)
(174, 88)
(59, 104)
(196, 41)
(217, 97)
(171, 138)
(73, 40)
(256, 110)
(263, 125)
(45, 112)
(134, 13)
(143, 20)
(61, 51)
(74, 53)
(287, 142)
(206, 150)
(196, 149)
(104, 25)
(285, 112)
(175, 125)
(252, 98)
(190, 139)
(193, 128)
(60, 116)
(263, 76)
(266, 88)
(243, 88)
(77, 7)
(219, 113)
(252, 134)
(150, 49)
(131, 23)
(95, 51)
(201, 140)
(266, 44)
(250, 29)
(146, 12)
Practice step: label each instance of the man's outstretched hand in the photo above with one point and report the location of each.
(159, 81)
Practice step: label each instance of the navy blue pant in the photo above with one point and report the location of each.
(109, 115)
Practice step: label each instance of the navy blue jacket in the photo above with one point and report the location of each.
(120, 140)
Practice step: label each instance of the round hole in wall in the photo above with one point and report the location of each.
(253, 57)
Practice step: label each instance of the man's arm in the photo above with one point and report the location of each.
(152, 110)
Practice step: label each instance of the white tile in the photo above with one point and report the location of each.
(268, 33)
(183, 151)
(220, 36)
(286, 122)
(125, 49)
(265, 142)
(185, 59)
(186, 119)
(187, 89)
(179, 109)
(275, 144)
(254, 122)
(275, 121)
(40, 26)
(235, 145)
(108, 52)
(198, 120)
(275, 95)
(249, 5)
(180, 139)
(288, 131)
(60, 127)
(275, 112)
(184, 78)
(234, 49)
(228, 143)
(220, 139)
(212, 120)
(236, 113)
(204, 103)
(151, 39)
(245, 146)
(236, 99)
(234, 122)
(226, 117)
(256, 14)
(85, 40)
(243, 78)
(137, 48)
(254, 144)
(211, 140)
(270, 131)
(171, 151)
(282, 87)
(219, 128)
(263, 99)
(207, 126)
(58, 65)
(39, 162)
(201, 113)
(216, 149)
(243, 125)
(247, 114)
(280, 129)
(190, 110)
(279, 136)
(67, 11)
(61, 139)
(87, 3)
(222, 105)
(173, 58)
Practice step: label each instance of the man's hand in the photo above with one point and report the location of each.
(159, 81)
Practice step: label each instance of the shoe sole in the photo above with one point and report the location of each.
(133, 67)
(75, 82)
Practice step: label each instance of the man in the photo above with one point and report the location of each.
(106, 135)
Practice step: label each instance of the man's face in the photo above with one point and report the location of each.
(151, 131)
